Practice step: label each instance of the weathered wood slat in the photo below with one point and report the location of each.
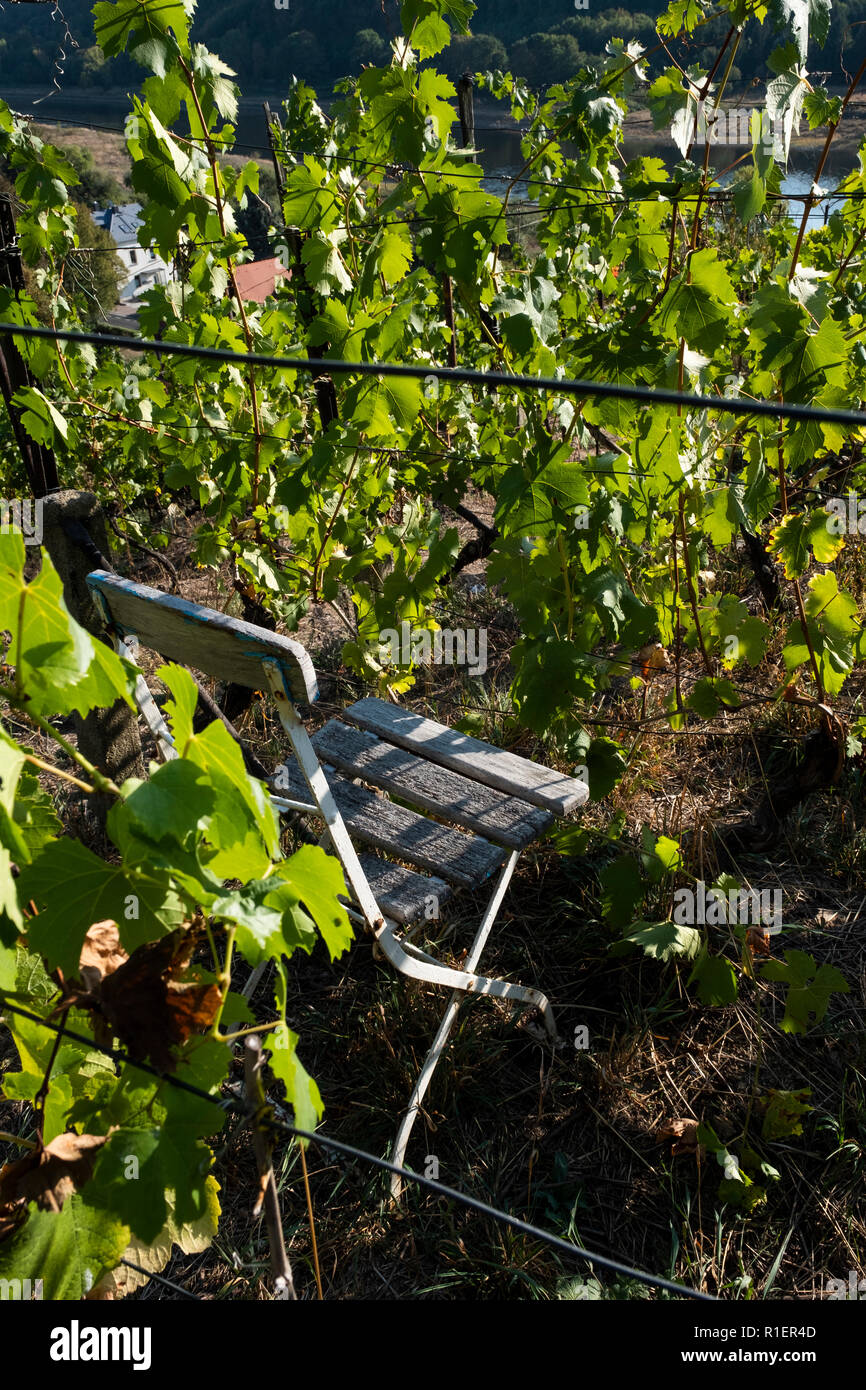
(202, 638)
(481, 762)
(501, 818)
(401, 893)
(466, 860)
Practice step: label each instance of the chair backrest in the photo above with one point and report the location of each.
(201, 637)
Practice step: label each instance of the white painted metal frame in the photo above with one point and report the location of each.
(408, 959)
(405, 957)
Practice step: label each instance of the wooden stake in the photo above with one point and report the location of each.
(284, 1286)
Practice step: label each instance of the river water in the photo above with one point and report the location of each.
(500, 148)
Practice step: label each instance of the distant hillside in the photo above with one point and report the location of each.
(323, 40)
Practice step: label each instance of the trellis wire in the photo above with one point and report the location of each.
(565, 386)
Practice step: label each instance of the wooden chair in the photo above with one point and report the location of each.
(500, 803)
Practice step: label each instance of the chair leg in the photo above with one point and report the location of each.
(495, 987)
(322, 796)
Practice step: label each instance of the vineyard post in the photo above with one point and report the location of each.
(466, 101)
(278, 172)
(75, 536)
(40, 464)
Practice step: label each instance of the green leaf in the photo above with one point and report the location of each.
(696, 307)
(34, 813)
(73, 889)
(742, 636)
(528, 314)
(821, 108)
(784, 1112)
(809, 988)
(605, 766)
(68, 1250)
(424, 22)
(151, 1256)
(661, 940)
(13, 848)
(144, 25)
(243, 827)
(324, 267)
(800, 533)
(41, 418)
(301, 1090)
(785, 96)
(805, 18)
(317, 879)
(682, 15)
(175, 801)
(396, 255)
(750, 197)
(623, 889)
(383, 406)
(715, 978)
(661, 856)
(711, 694)
(832, 623)
(58, 664)
(181, 709)
(270, 920)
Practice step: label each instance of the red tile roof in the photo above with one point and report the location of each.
(257, 279)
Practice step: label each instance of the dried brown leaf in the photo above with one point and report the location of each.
(48, 1176)
(152, 1010)
(758, 941)
(652, 657)
(101, 954)
(683, 1136)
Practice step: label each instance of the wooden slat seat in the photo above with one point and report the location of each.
(500, 818)
(480, 762)
(401, 893)
(461, 859)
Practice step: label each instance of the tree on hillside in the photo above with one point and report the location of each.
(592, 31)
(302, 54)
(474, 53)
(546, 58)
(369, 47)
(95, 186)
(96, 71)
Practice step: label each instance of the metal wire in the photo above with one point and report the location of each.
(565, 386)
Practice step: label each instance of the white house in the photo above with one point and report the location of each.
(143, 266)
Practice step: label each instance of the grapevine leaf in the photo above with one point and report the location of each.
(661, 940)
(784, 1112)
(623, 889)
(73, 889)
(58, 662)
(301, 1090)
(317, 878)
(715, 978)
(68, 1250)
(809, 988)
